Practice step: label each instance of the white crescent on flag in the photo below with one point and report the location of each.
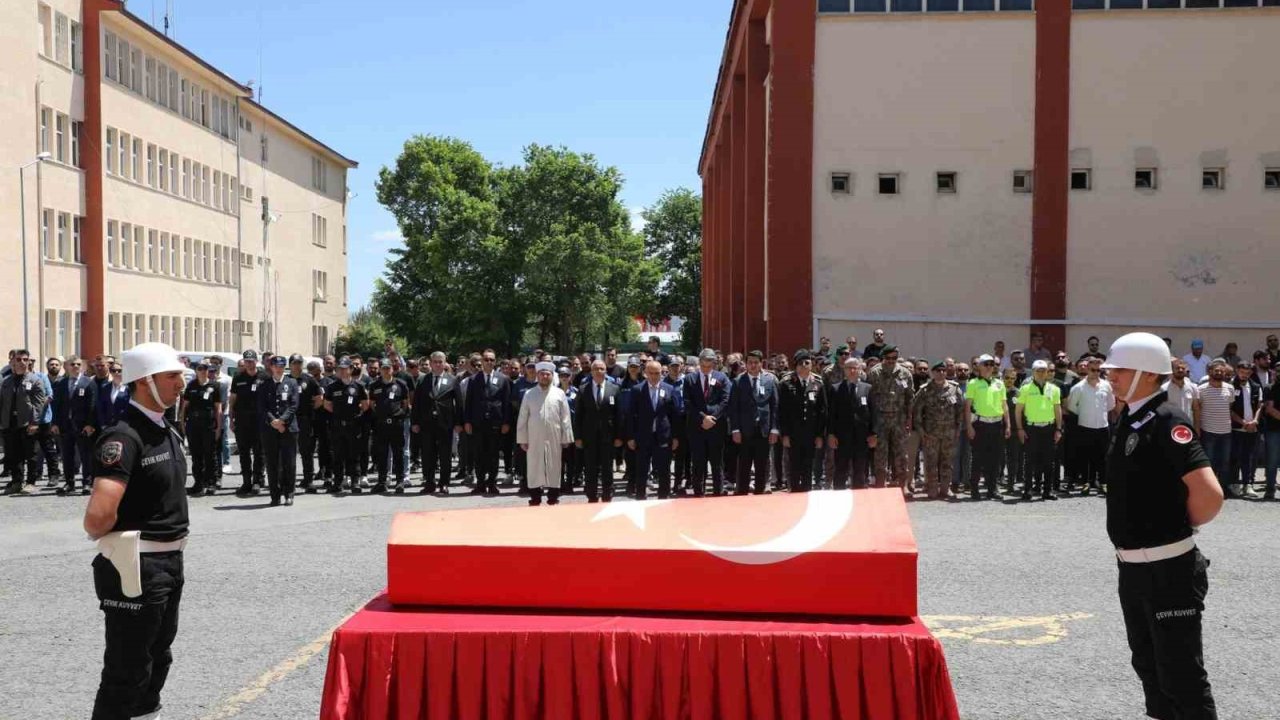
(826, 514)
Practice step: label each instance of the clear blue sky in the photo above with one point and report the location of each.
(630, 82)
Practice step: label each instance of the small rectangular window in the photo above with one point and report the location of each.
(1271, 179)
(888, 183)
(1212, 179)
(1017, 5)
(1023, 181)
(869, 6)
(944, 5)
(1081, 179)
(833, 6)
(1144, 178)
(111, 151)
(905, 5)
(841, 183)
(946, 183)
(77, 127)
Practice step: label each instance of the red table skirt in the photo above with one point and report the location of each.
(401, 663)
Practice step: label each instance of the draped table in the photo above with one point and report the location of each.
(403, 663)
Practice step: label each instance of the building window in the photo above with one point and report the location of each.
(186, 177)
(173, 173)
(126, 331)
(151, 165)
(65, 341)
(841, 183)
(60, 138)
(1271, 179)
(319, 231)
(77, 249)
(46, 116)
(175, 96)
(1022, 181)
(150, 82)
(109, 52)
(135, 69)
(138, 247)
(111, 243)
(64, 236)
(124, 155)
(163, 166)
(1213, 178)
(204, 183)
(319, 175)
(946, 183)
(888, 183)
(111, 151)
(1081, 179)
(264, 147)
(77, 127)
(217, 189)
(320, 285)
(122, 63)
(46, 230)
(113, 341)
(61, 39)
(152, 251)
(77, 48)
(174, 255)
(833, 6)
(136, 156)
(1144, 179)
(344, 290)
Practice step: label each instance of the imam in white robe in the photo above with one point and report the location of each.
(545, 425)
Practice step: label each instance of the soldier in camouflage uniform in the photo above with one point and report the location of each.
(936, 414)
(891, 389)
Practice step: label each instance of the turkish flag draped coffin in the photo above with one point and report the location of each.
(838, 552)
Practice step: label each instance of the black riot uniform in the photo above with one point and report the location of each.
(345, 402)
(244, 422)
(147, 457)
(390, 412)
(802, 417)
(200, 405)
(437, 409)
(278, 400)
(308, 390)
(1162, 601)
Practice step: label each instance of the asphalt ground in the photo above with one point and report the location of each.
(1021, 595)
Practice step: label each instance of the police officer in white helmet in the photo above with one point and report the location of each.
(1160, 489)
(138, 515)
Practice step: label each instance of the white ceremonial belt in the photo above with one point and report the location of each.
(122, 550)
(985, 419)
(1156, 554)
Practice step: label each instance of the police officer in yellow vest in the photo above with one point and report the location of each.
(1040, 429)
(1160, 488)
(138, 515)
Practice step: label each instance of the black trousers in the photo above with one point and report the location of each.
(707, 446)
(324, 449)
(466, 463)
(1162, 603)
(1089, 447)
(307, 448)
(345, 437)
(204, 452)
(388, 438)
(44, 452)
(850, 467)
(1040, 454)
(84, 448)
(802, 453)
(1014, 463)
(729, 454)
(654, 459)
(597, 468)
(487, 445)
(366, 439)
(69, 450)
(682, 474)
(752, 453)
(570, 467)
(280, 452)
(415, 449)
(988, 448)
(19, 446)
(249, 448)
(139, 633)
(634, 477)
(437, 451)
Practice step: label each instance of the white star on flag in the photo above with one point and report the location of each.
(633, 511)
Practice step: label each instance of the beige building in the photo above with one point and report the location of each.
(962, 171)
(170, 206)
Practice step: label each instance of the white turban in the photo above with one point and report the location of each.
(545, 367)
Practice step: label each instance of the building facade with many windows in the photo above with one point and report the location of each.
(961, 171)
(170, 205)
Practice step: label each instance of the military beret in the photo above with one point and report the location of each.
(888, 349)
(842, 349)
(801, 356)
(939, 366)
(756, 354)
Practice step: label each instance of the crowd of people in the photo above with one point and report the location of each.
(1031, 423)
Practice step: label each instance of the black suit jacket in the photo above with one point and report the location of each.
(489, 403)
(440, 408)
(598, 423)
(849, 413)
(756, 411)
(803, 408)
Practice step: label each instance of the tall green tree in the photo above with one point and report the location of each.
(673, 241)
(365, 333)
(439, 290)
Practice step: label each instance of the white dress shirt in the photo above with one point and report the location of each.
(1092, 403)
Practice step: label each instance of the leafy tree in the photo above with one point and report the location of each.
(673, 240)
(365, 334)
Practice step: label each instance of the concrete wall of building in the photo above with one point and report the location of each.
(1178, 91)
(915, 96)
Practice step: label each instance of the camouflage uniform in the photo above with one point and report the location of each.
(891, 392)
(937, 413)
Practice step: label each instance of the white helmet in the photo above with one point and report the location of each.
(1140, 351)
(147, 359)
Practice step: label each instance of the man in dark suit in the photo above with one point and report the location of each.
(82, 419)
(706, 400)
(849, 429)
(488, 420)
(596, 431)
(653, 407)
(682, 469)
(803, 420)
(753, 422)
(436, 411)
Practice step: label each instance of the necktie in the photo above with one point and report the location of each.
(599, 395)
(754, 388)
(706, 389)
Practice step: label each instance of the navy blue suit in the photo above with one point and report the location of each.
(753, 415)
(649, 427)
(488, 409)
(707, 396)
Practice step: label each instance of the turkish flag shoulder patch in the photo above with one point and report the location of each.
(1181, 434)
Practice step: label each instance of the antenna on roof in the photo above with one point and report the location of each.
(168, 11)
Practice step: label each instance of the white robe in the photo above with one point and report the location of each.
(544, 425)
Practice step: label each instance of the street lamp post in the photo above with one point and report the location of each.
(22, 215)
